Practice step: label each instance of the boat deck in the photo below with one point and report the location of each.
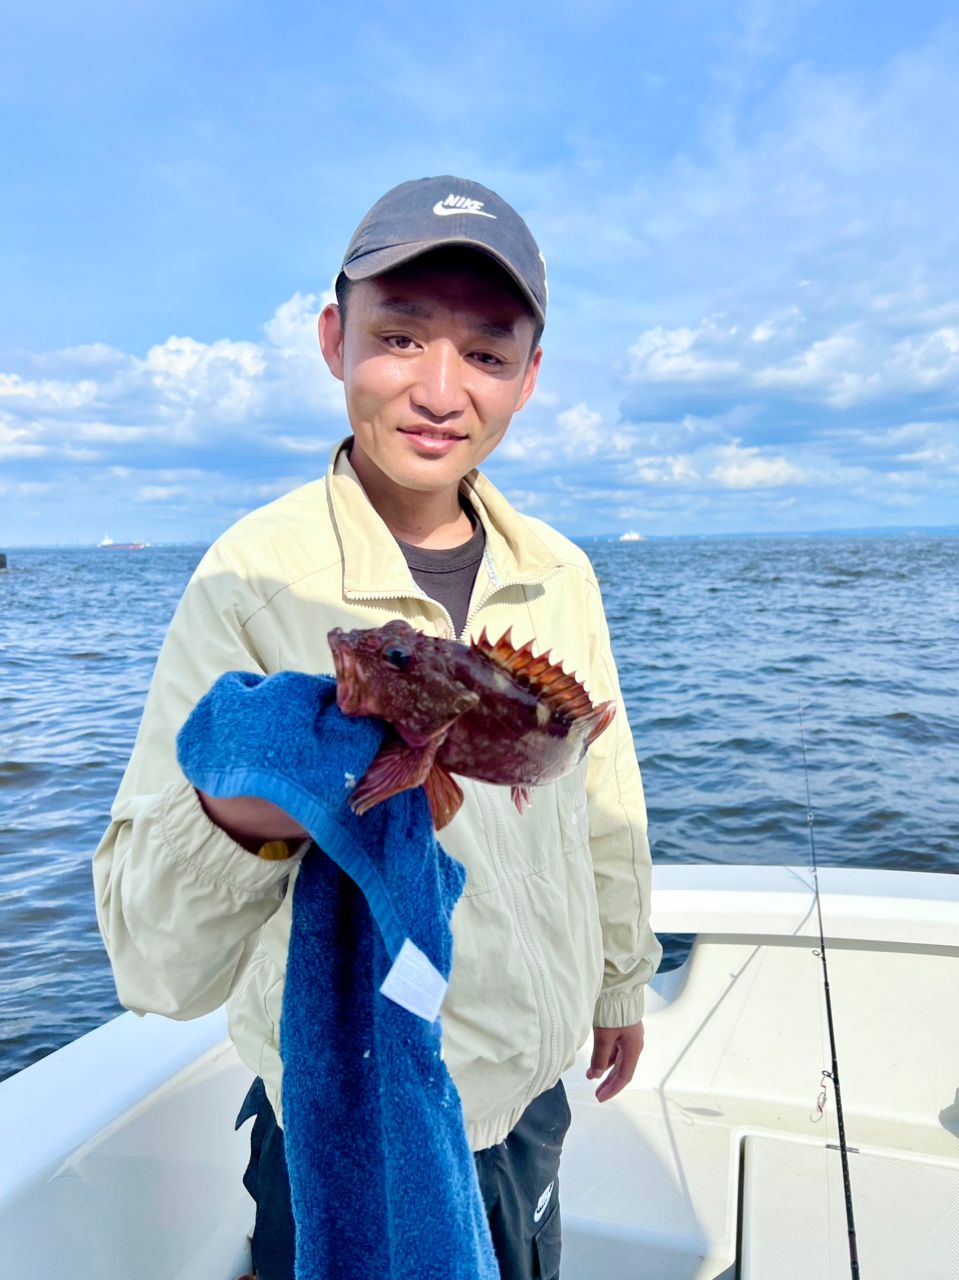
(119, 1158)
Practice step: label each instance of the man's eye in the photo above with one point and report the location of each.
(487, 358)
(398, 656)
(399, 341)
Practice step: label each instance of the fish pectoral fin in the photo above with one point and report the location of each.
(444, 794)
(522, 797)
(396, 767)
(603, 714)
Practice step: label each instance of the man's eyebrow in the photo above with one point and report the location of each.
(417, 311)
(497, 329)
(404, 307)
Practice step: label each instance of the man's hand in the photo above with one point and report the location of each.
(250, 821)
(619, 1048)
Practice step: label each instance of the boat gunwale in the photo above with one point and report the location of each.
(914, 909)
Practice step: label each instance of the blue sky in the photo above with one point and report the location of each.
(748, 213)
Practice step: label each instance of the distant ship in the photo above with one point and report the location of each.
(108, 544)
(631, 536)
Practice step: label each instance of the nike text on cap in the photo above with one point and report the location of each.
(430, 213)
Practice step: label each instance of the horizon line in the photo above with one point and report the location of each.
(830, 532)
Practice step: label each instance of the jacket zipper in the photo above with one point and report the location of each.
(534, 957)
(533, 953)
(404, 595)
(497, 585)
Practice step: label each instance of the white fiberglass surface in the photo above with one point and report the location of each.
(157, 1193)
(119, 1156)
(906, 1213)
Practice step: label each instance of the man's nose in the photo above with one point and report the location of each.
(439, 389)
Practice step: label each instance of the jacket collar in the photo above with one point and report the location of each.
(373, 564)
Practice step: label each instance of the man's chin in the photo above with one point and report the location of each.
(422, 467)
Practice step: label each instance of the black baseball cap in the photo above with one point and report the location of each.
(431, 213)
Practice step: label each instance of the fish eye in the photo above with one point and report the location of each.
(397, 655)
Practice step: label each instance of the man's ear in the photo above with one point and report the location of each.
(330, 328)
(529, 378)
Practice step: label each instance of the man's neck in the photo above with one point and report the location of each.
(436, 521)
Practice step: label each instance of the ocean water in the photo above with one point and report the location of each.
(717, 641)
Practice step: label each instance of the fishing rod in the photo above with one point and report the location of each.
(832, 1075)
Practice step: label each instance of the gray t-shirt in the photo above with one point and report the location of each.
(447, 576)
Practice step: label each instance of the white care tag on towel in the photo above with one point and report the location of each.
(415, 983)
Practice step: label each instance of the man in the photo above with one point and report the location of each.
(435, 336)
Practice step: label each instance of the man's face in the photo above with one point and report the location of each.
(435, 359)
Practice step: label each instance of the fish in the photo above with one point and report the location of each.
(483, 710)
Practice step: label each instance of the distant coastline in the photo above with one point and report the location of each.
(878, 531)
(871, 531)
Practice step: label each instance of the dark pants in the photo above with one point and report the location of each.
(519, 1180)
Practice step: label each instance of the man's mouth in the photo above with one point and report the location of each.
(431, 433)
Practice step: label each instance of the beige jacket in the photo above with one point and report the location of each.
(551, 934)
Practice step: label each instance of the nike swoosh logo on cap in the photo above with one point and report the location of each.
(451, 205)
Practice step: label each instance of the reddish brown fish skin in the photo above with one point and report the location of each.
(493, 727)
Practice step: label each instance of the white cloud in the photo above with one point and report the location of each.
(527, 500)
(47, 394)
(304, 444)
(293, 326)
(182, 392)
(549, 399)
(854, 364)
(158, 493)
(20, 441)
(577, 432)
(637, 513)
(114, 433)
(670, 469)
(518, 444)
(257, 493)
(25, 488)
(298, 376)
(676, 355)
(582, 429)
(892, 438)
(781, 324)
(942, 455)
(223, 376)
(830, 368)
(926, 360)
(740, 467)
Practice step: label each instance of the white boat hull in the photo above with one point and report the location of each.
(119, 1156)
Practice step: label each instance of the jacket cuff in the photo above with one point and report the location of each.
(619, 1008)
(194, 841)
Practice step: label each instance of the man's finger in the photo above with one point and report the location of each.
(627, 1045)
(604, 1045)
(627, 1056)
(610, 1087)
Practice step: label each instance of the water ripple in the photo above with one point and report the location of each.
(716, 640)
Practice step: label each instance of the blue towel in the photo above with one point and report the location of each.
(383, 1182)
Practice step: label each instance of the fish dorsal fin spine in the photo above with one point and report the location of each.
(562, 692)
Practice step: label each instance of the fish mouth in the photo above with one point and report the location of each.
(349, 692)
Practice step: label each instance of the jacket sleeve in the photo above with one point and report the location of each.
(618, 842)
(179, 903)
